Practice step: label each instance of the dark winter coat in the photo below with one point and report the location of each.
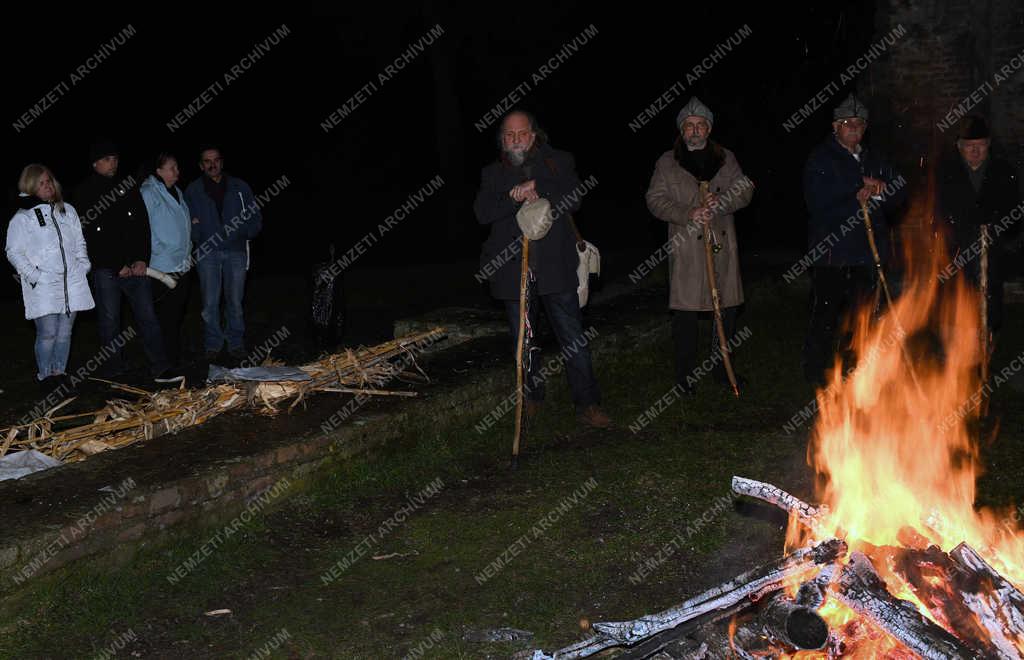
(832, 177)
(114, 221)
(960, 210)
(553, 258)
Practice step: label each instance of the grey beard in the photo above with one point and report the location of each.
(695, 143)
(516, 157)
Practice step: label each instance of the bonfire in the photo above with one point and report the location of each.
(894, 560)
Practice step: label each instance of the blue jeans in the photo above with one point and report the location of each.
(222, 271)
(107, 289)
(53, 343)
(563, 312)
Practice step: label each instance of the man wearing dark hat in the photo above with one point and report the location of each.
(674, 197)
(116, 228)
(974, 189)
(840, 175)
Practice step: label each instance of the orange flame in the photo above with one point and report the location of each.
(893, 444)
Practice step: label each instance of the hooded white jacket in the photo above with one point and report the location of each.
(47, 249)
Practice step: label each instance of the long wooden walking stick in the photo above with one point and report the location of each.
(523, 283)
(983, 305)
(716, 301)
(885, 290)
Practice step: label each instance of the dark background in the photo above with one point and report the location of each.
(421, 122)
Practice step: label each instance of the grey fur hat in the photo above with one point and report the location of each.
(695, 108)
(850, 107)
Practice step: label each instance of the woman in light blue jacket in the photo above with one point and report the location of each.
(170, 226)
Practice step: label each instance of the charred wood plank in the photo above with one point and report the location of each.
(997, 603)
(860, 588)
(747, 587)
(937, 582)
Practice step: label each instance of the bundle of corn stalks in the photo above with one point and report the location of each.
(122, 422)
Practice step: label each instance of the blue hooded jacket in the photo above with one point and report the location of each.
(832, 178)
(241, 219)
(170, 226)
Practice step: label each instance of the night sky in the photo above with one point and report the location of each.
(420, 122)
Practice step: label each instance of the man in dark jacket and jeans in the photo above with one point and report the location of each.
(225, 216)
(116, 228)
(526, 170)
(841, 174)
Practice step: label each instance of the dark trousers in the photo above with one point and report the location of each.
(835, 290)
(170, 312)
(684, 340)
(563, 312)
(107, 289)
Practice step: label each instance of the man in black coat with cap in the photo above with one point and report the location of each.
(975, 189)
(116, 228)
(528, 169)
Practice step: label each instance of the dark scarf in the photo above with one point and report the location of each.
(173, 191)
(29, 202)
(977, 177)
(704, 163)
(217, 192)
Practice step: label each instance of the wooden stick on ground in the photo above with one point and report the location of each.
(356, 390)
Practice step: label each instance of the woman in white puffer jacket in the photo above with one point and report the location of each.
(45, 245)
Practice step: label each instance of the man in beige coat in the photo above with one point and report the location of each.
(674, 197)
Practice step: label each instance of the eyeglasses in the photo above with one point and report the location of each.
(853, 123)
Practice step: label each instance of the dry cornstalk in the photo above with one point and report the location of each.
(120, 423)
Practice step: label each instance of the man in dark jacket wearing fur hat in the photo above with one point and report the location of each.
(839, 176)
(973, 190)
(528, 169)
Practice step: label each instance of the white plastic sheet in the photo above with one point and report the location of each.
(218, 374)
(19, 464)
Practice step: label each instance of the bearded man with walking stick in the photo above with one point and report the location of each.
(841, 179)
(526, 198)
(696, 188)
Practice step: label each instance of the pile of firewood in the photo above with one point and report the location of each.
(973, 611)
(123, 422)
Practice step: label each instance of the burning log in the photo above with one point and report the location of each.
(795, 625)
(751, 586)
(998, 604)
(812, 593)
(940, 585)
(810, 516)
(860, 588)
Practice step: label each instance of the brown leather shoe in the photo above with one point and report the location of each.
(594, 417)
